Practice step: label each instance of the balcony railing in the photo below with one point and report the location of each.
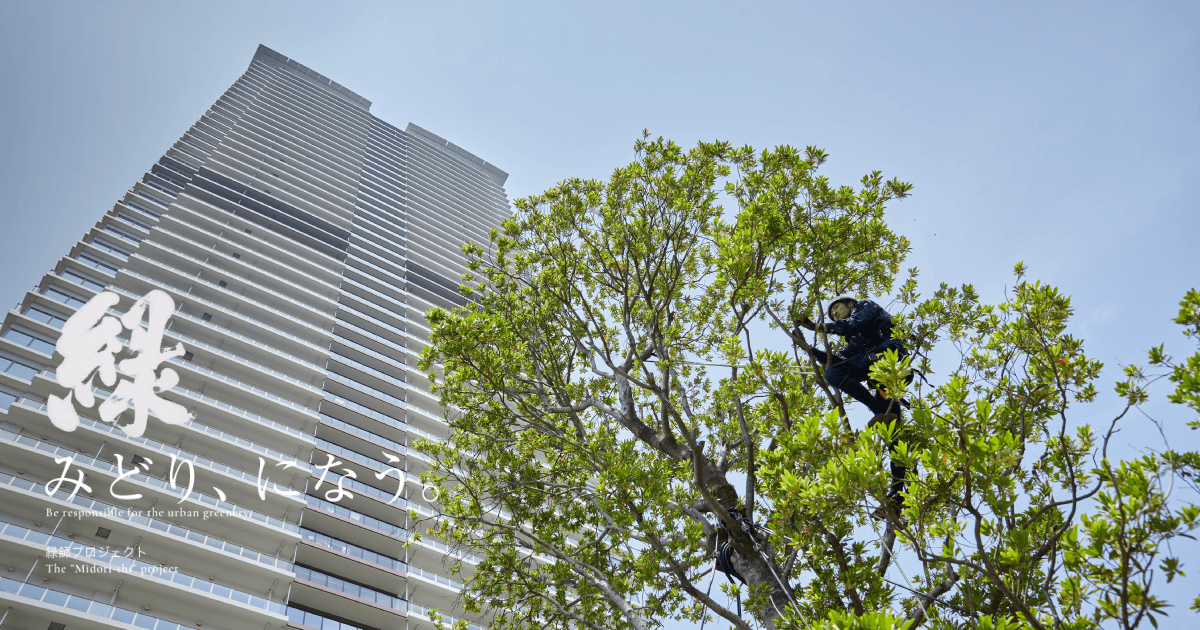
(373, 438)
(400, 303)
(244, 386)
(366, 389)
(354, 551)
(241, 298)
(257, 367)
(273, 246)
(385, 527)
(365, 350)
(366, 411)
(446, 619)
(116, 614)
(369, 490)
(204, 462)
(313, 621)
(238, 411)
(241, 262)
(368, 369)
(361, 592)
(342, 306)
(193, 298)
(367, 333)
(370, 462)
(225, 331)
(252, 283)
(159, 484)
(241, 337)
(145, 569)
(209, 400)
(352, 258)
(357, 517)
(404, 426)
(145, 522)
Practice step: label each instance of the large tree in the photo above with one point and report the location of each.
(622, 405)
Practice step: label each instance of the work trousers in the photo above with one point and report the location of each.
(847, 374)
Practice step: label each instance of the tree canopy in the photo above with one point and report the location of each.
(621, 402)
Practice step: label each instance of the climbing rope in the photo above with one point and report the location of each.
(708, 593)
(905, 576)
(929, 597)
(739, 365)
(725, 561)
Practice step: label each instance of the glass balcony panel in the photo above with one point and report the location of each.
(56, 598)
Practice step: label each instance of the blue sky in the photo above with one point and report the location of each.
(1062, 134)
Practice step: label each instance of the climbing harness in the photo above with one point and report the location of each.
(724, 553)
(724, 562)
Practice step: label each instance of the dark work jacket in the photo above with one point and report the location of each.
(867, 330)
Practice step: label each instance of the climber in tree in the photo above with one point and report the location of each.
(868, 332)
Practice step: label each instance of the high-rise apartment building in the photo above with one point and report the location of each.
(301, 239)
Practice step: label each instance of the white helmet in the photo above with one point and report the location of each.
(848, 301)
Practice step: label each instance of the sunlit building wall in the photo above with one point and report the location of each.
(301, 239)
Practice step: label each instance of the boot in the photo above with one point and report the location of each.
(884, 418)
(895, 505)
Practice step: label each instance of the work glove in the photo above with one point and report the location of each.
(807, 323)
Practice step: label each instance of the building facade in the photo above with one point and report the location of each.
(301, 240)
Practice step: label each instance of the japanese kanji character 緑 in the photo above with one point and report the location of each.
(88, 344)
(142, 392)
